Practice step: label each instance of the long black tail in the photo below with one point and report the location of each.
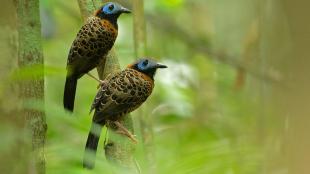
(91, 146)
(69, 92)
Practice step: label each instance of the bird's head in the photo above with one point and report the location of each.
(111, 11)
(147, 66)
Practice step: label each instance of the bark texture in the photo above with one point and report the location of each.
(30, 58)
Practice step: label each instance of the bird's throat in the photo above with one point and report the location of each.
(109, 26)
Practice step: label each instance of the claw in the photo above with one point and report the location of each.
(122, 130)
(101, 83)
(130, 136)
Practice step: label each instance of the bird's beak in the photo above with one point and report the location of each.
(158, 65)
(125, 10)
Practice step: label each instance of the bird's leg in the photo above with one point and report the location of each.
(101, 82)
(122, 130)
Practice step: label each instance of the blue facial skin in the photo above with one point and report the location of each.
(148, 67)
(111, 11)
(144, 65)
(147, 64)
(112, 8)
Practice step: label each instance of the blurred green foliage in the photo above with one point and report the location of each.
(234, 99)
(201, 124)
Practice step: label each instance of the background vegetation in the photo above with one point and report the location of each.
(234, 99)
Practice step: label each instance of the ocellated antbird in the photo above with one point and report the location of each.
(92, 43)
(119, 95)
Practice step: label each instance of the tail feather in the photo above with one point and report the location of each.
(91, 146)
(69, 93)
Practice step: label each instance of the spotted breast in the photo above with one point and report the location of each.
(121, 94)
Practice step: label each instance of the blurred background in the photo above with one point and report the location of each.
(234, 100)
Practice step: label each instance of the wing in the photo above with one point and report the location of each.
(80, 44)
(123, 93)
(89, 46)
(102, 92)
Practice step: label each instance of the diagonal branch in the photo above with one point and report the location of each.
(170, 27)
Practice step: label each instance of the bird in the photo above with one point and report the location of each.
(119, 94)
(92, 43)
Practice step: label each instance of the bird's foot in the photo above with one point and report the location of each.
(122, 130)
(129, 135)
(101, 83)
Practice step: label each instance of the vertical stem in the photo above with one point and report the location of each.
(250, 41)
(109, 66)
(118, 150)
(139, 28)
(140, 51)
(87, 7)
(30, 55)
(15, 143)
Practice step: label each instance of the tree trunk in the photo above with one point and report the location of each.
(30, 60)
(119, 149)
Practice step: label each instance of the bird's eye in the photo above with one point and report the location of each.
(145, 62)
(111, 7)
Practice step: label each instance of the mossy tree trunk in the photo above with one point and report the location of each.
(31, 88)
(15, 146)
(119, 149)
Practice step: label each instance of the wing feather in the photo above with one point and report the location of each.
(123, 93)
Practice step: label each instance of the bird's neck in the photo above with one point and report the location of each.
(109, 26)
(148, 73)
(112, 20)
(147, 77)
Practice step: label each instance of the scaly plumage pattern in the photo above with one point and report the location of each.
(121, 94)
(92, 43)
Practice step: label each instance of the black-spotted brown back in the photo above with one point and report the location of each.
(120, 94)
(92, 43)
